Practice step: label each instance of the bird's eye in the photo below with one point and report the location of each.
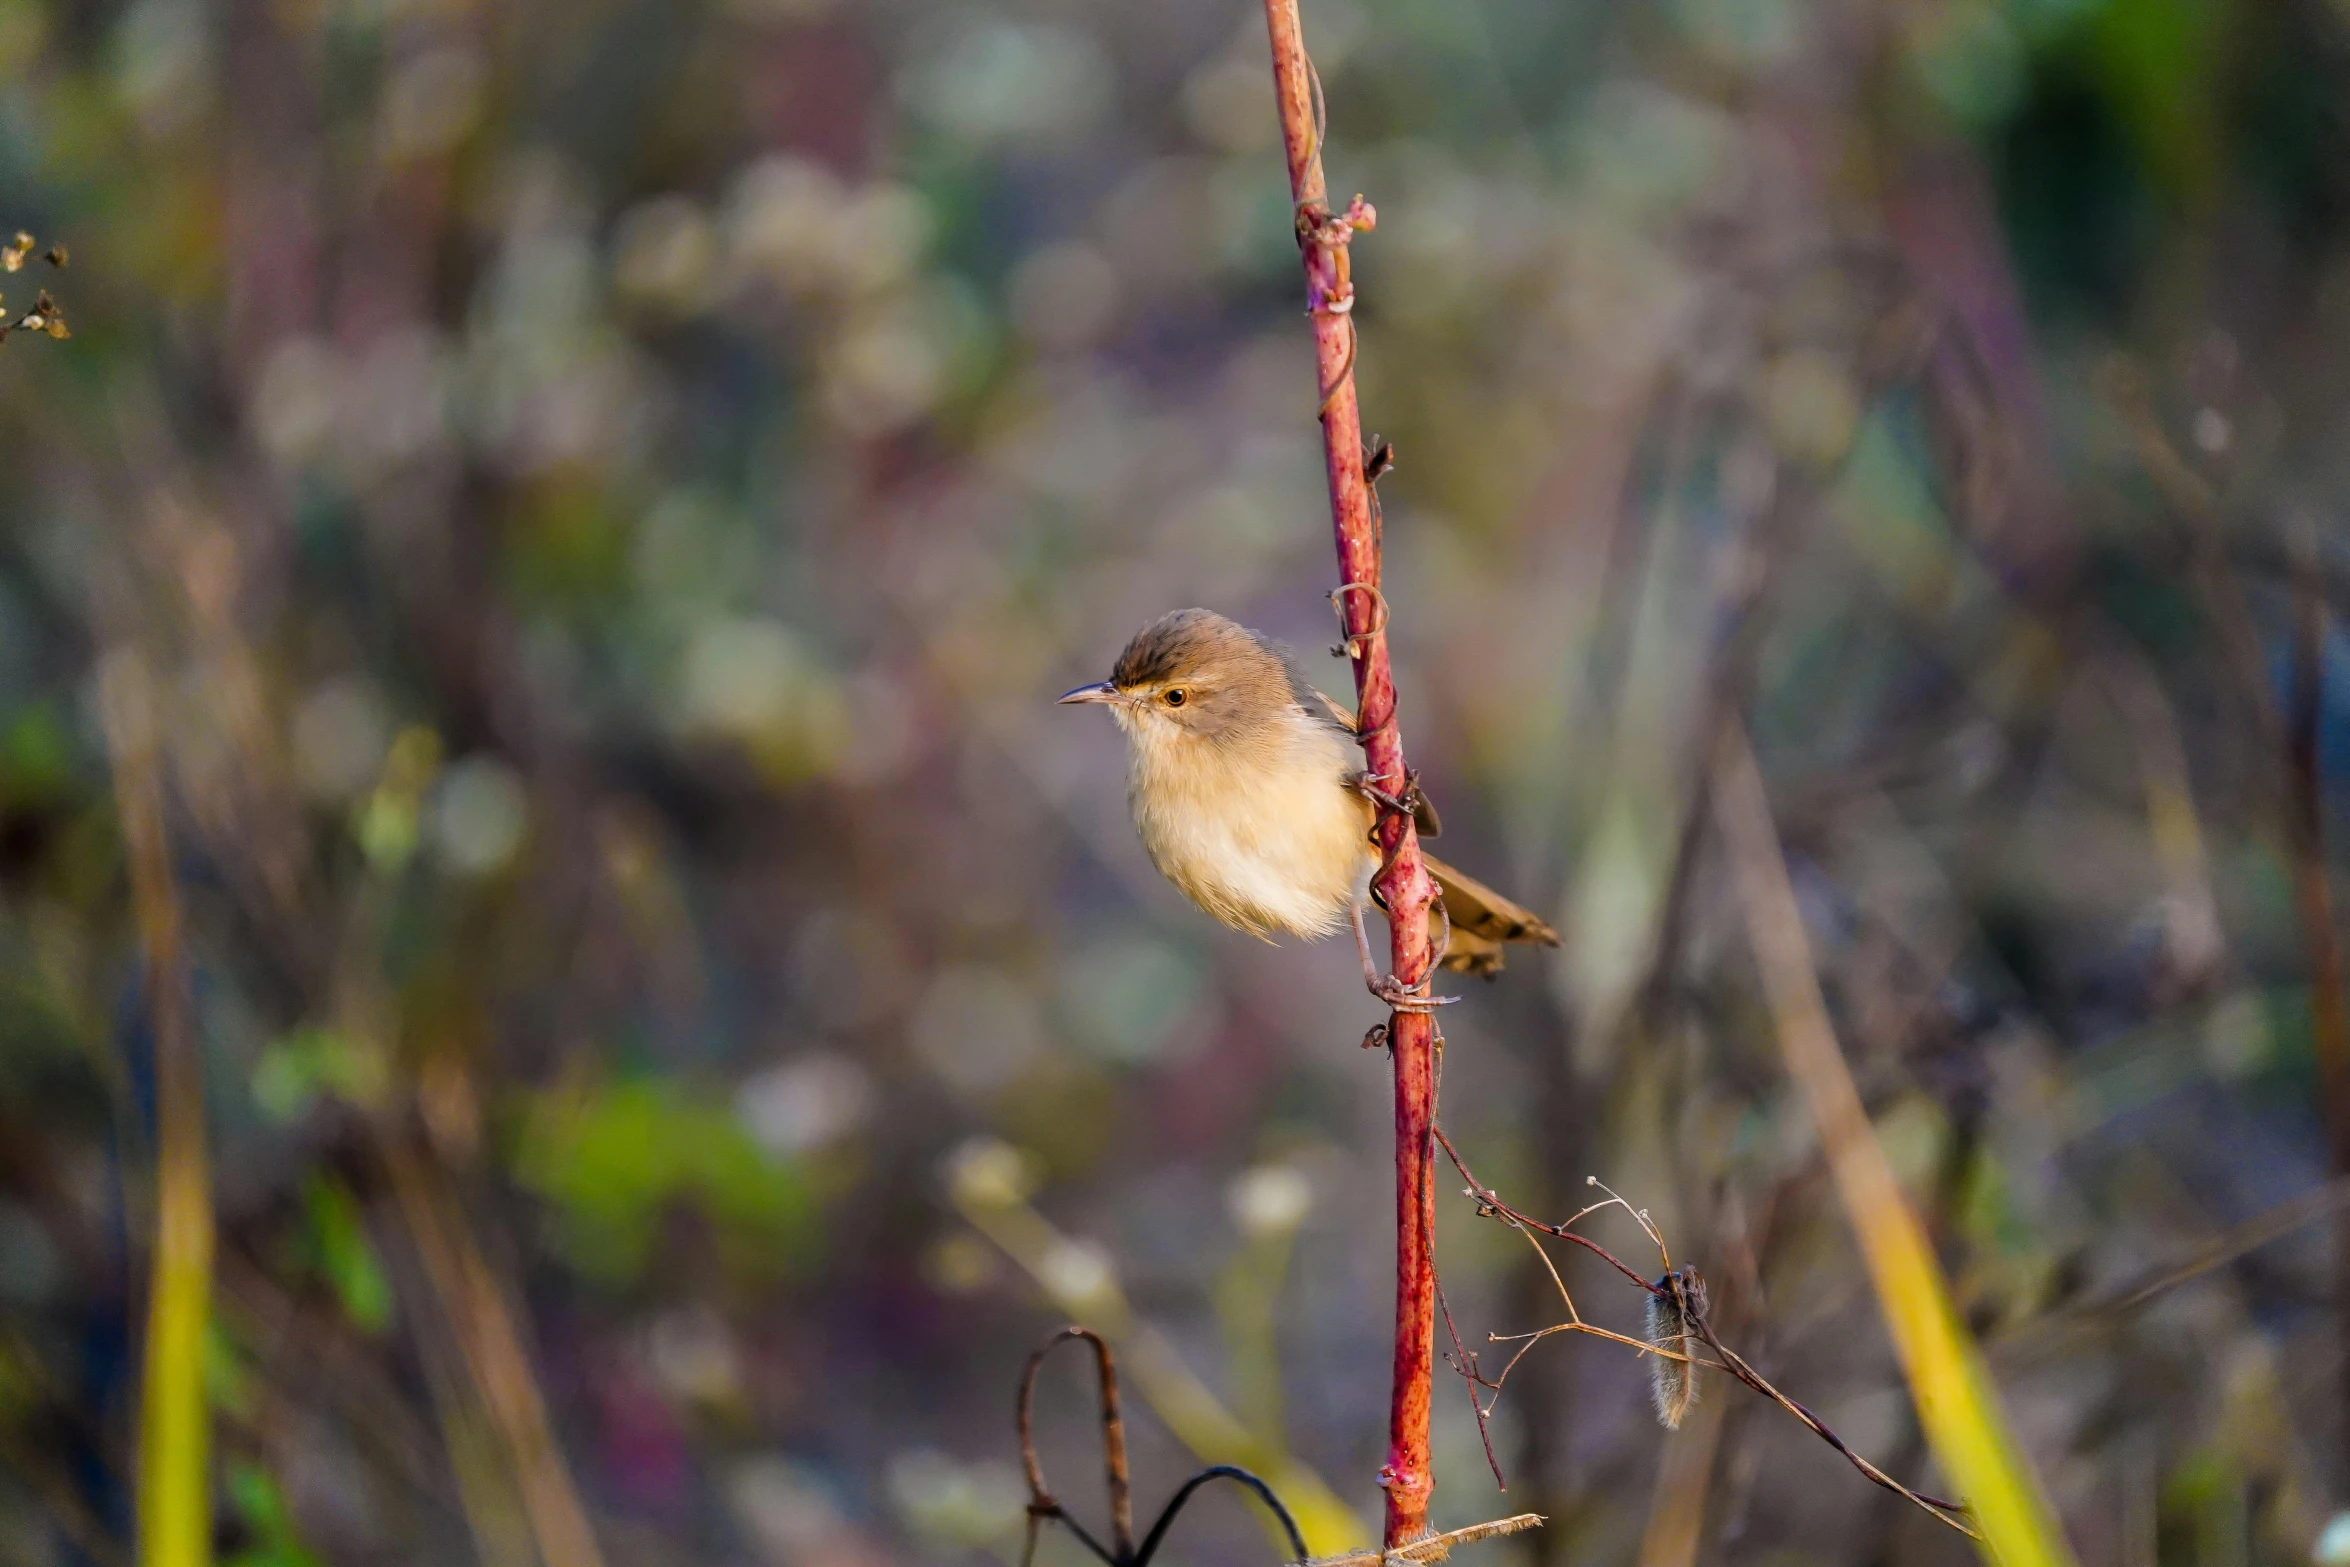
(1175, 698)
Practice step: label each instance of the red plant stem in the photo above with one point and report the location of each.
(1403, 880)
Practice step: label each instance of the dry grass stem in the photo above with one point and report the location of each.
(1429, 1548)
(491, 1342)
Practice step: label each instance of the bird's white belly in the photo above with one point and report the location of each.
(1262, 849)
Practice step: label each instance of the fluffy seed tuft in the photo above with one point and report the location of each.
(1674, 1311)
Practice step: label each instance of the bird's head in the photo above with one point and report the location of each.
(1198, 674)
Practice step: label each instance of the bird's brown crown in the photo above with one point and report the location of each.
(1182, 644)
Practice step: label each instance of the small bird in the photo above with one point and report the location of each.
(1250, 795)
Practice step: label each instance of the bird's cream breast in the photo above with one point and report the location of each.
(1266, 836)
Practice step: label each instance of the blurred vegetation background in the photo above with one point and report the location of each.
(529, 607)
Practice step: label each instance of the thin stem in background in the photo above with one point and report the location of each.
(175, 1436)
(60, 1496)
(2293, 735)
(1403, 881)
(1676, 1513)
(2313, 897)
(490, 1340)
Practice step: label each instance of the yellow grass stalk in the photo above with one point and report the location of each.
(1957, 1405)
(175, 1437)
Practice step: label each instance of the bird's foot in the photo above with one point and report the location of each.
(1406, 802)
(1388, 988)
(1376, 795)
(1403, 997)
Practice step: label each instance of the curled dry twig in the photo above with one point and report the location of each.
(1695, 1322)
(1041, 1504)
(1122, 1551)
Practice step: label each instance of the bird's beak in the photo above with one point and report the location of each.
(1099, 691)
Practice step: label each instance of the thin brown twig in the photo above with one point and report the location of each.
(1949, 1512)
(1490, 1205)
(1576, 1324)
(2249, 1236)
(1495, 1208)
(1463, 1361)
(2318, 1203)
(1466, 1364)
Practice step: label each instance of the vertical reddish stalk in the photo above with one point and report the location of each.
(1404, 883)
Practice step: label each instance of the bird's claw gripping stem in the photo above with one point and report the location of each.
(1402, 997)
(1387, 987)
(1405, 803)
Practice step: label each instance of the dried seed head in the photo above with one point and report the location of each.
(1675, 1308)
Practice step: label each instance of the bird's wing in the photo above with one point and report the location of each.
(1469, 952)
(1482, 921)
(1424, 814)
(1338, 710)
